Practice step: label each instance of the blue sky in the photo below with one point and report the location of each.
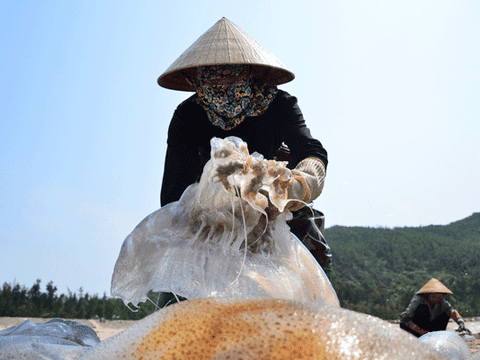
(391, 89)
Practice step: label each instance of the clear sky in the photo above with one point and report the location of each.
(391, 89)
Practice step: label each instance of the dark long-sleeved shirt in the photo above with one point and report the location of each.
(190, 132)
(435, 310)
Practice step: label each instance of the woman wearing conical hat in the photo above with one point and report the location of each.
(234, 80)
(429, 311)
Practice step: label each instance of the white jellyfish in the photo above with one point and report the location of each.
(448, 343)
(218, 240)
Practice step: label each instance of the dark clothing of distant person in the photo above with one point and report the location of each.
(425, 316)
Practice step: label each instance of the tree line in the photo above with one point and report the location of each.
(376, 271)
(17, 300)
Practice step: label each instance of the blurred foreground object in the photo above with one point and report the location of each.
(449, 344)
(248, 329)
(54, 339)
(261, 329)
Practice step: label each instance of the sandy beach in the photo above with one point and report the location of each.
(107, 328)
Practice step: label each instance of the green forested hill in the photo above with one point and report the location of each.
(378, 270)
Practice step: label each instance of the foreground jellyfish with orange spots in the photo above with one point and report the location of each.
(261, 329)
(255, 292)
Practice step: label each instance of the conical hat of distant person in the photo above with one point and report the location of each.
(434, 286)
(223, 44)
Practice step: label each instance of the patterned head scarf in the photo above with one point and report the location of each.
(229, 94)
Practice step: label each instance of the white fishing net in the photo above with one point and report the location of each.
(226, 237)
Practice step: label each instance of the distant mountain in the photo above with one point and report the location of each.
(378, 270)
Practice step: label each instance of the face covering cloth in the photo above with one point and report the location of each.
(229, 93)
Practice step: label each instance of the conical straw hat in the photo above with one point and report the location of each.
(434, 286)
(224, 43)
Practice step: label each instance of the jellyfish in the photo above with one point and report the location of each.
(54, 339)
(448, 343)
(221, 239)
(221, 328)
